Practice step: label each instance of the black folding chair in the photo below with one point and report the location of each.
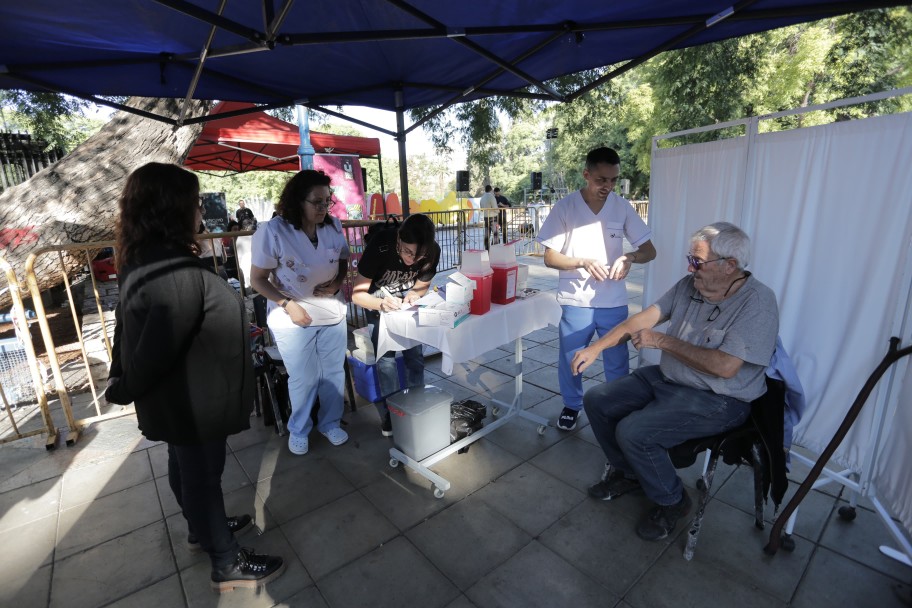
(757, 443)
(271, 376)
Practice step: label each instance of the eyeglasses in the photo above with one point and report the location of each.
(714, 313)
(697, 264)
(403, 251)
(321, 205)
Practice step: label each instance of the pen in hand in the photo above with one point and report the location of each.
(392, 302)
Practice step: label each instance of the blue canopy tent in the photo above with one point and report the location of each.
(388, 54)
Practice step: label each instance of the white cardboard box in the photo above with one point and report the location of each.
(445, 315)
(459, 289)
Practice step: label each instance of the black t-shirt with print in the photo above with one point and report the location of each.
(381, 263)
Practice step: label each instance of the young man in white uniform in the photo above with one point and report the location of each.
(584, 239)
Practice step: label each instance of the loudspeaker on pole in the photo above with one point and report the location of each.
(462, 181)
(536, 180)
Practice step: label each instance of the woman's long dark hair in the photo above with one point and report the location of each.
(294, 194)
(418, 230)
(157, 208)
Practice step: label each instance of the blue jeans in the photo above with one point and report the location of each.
(195, 477)
(315, 360)
(577, 326)
(638, 418)
(387, 371)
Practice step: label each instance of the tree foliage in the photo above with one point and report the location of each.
(56, 119)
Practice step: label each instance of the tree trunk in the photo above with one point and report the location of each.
(75, 200)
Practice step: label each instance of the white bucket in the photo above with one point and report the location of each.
(475, 262)
(503, 255)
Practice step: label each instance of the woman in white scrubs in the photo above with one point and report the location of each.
(299, 260)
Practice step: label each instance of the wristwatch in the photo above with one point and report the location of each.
(284, 304)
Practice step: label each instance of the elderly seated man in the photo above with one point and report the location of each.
(721, 335)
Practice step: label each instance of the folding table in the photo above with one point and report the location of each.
(472, 337)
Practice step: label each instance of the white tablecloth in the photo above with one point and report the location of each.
(475, 335)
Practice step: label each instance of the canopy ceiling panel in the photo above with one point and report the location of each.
(356, 52)
(258, 142)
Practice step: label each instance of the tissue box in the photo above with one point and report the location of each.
(459, 289)
(458, 294)
(443, 315)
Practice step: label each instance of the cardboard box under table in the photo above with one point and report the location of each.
(473, 337)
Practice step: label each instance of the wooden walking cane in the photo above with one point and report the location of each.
(894, 354)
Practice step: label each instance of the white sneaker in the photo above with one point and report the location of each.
(336, 436)
(297, 444)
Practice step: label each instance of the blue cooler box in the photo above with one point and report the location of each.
(367, 380)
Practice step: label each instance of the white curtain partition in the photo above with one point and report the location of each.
(829, 212)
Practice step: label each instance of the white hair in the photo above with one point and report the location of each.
(726, 241)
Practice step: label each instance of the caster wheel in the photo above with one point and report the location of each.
(394, 463)
(541, 429)
(847, 513)
(438, 493)
(701, 485)
(787, 543)
(495, 411)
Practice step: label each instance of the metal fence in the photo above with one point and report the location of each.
(22, 157)
(22, 391)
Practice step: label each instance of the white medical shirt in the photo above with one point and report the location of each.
(574, 230)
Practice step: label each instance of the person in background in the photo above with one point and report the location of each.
(395, 270)
(584, 239)
(299, 260)
(721, 334)
(181, 354)
(245, 217)
(502, 203)
(488, 206)
(243, 213)
(231, 267)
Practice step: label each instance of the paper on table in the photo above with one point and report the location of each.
(432, 298)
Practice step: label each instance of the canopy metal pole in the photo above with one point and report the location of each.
(305, 149)
(403, 164)
(382, 188)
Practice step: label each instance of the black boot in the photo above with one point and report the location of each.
(249, 570)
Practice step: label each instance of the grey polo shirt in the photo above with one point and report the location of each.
(744, 326)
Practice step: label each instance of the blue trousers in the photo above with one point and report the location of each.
(638, 418)
(195, 477)
(577, 326)
(386, 365)
(315, 360)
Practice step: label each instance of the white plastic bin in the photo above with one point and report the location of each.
(362, 338)
(421, 420)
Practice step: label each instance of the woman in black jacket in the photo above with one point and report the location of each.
(182, 356)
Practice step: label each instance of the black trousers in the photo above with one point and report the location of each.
(195, 476)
